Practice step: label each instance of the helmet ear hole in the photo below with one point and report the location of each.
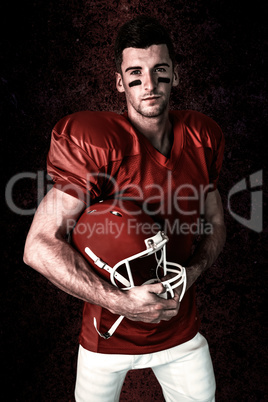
(116, 213)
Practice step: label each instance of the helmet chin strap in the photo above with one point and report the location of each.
(108, 334)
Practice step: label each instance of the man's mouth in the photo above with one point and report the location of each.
(152, 97)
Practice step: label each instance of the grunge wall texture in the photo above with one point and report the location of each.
(57, 58)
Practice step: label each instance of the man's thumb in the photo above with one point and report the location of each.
(157, 288)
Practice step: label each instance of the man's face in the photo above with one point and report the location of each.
(147, 77)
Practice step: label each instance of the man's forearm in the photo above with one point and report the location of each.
(206, 253)
(68, 270)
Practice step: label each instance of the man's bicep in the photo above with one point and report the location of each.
(57, 213)
(213, 208)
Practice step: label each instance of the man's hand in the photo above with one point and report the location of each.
(144, 303)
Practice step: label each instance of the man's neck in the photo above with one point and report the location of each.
(158, 130)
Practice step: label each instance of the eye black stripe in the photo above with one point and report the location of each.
(133, 83)
(164, 79)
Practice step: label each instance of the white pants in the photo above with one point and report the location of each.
(184, 372)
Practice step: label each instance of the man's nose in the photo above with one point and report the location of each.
(149, 82)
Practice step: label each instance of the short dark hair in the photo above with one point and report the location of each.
(141, 32)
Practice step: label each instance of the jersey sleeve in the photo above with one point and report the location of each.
(203, 132)
(216, 157)
(73, 170)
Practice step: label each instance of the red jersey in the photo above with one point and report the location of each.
(99, 155)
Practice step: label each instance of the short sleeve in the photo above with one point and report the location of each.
(72, 169)
(204, 132)
(218, 143)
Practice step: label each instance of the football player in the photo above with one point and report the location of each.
(134, 187)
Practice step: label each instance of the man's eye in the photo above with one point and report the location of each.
(160, 70)
(135, 72)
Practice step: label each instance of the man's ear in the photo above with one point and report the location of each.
(119, 82)
(176, 79)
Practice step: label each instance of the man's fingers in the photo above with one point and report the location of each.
(147, 304)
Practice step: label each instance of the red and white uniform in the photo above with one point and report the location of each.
(99, 155)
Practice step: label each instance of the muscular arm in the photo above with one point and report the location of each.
(48, 251)
(211, 245)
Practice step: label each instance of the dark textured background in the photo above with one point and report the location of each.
(57, 58)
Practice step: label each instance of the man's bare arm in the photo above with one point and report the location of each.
(48, 251)
(211, 244)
